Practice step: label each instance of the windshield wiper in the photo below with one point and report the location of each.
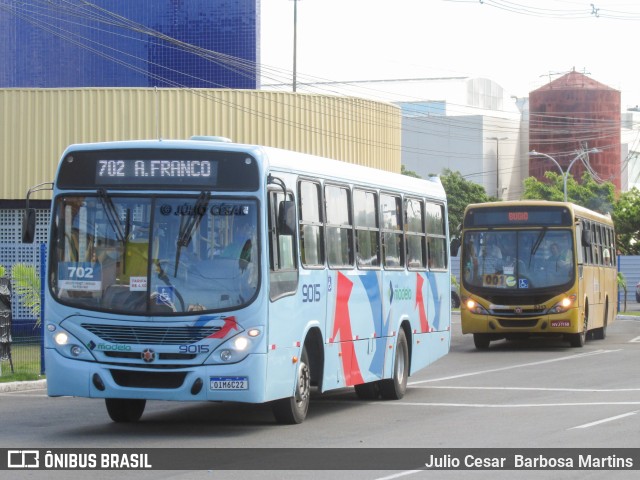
(112, 215)
(187, 228)
(537, 243)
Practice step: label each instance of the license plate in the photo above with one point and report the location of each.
(228, 383)
(561, 323)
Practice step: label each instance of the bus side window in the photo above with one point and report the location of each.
(415, 234)
(339, 227)
(392, 231)
(366, 224)
(282, 252)
(311, 224)
(436, 237)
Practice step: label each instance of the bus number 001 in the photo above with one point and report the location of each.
(311, 293)
(494, 280)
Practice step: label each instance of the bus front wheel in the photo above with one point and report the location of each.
(577, 340)
(481, 341)
(125, 410)
(292, 410)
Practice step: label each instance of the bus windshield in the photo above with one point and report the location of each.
(518, 259)
(154, 255)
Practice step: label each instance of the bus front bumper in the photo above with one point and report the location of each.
(68, 377)
(563, 323)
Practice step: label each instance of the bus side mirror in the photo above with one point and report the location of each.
(454, 247)
(586, 238)
(29, 225)
(287, 218)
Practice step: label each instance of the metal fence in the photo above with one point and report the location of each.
(21, 351)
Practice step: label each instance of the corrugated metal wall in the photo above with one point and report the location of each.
(36, 125)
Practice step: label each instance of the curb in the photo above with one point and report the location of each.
(22, 386)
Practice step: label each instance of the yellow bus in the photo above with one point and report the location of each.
(537, 268)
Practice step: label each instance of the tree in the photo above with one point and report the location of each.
(26, 284)
(460, 193)
(408, 173)
(588, 193)
(626, 213)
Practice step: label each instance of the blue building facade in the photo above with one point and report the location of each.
(129, 43)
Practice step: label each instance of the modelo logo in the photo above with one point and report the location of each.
(106, 347)
(402, 294)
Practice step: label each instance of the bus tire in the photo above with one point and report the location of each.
(481, 341)
(601, 333)
(395, 388)
(293, 410)
(368, 391)
(577, 340)
(125, 410)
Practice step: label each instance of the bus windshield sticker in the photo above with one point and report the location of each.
(523, 283)
(80, 276)
(138, 284)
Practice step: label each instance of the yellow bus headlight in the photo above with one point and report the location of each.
(563, 305)
(475, 307)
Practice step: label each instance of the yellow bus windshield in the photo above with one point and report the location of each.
(518, 259)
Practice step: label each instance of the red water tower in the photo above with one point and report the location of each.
(569, 115)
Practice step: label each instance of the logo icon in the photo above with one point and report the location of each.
(148, 355)
(23, 459)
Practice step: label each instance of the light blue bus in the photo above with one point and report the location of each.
(205, 270)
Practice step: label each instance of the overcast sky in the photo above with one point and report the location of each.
(518, 44)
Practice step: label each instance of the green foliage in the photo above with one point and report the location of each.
(460, 193)
(626, 216)
(588, 193)
(2, 271)
(408, 173)
(26, 284)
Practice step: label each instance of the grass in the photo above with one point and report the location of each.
(26, 363)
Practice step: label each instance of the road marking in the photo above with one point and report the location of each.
(605, 420)
(522, 365)
(515, 405)
(399, 475)
(534, 389)
(635, 340)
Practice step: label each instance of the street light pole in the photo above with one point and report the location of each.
(565, 173)
(295, 42)
(497, 162)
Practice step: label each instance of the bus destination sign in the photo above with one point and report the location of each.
(144, 171)
(499, 216)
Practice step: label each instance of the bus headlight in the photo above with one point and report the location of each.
(237, 348)
(61, 338)
(563, 305)
(475, 307)
(69, 346)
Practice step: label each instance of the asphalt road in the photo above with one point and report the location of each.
(535, 394)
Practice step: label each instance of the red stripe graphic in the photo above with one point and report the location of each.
(342, 324)
(424, 323)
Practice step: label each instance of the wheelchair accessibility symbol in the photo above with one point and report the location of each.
(523, 283)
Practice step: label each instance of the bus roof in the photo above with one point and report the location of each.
(290, 161)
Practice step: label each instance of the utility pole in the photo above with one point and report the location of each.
(497, 162)
(295, 42)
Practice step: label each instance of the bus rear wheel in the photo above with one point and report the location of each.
(125, 410)
(292, 410)
(601, 333)
(395, 388)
